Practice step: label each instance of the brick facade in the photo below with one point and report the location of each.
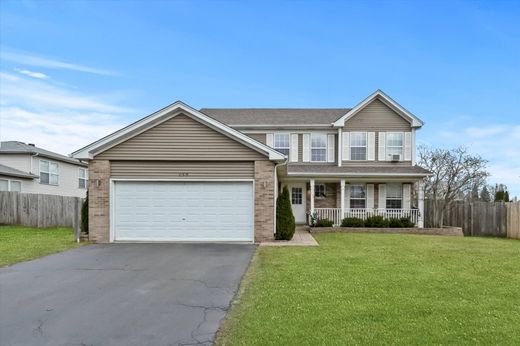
(264, 200)
(331, 199)
(99, 201)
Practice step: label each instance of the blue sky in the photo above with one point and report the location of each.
(71, 72)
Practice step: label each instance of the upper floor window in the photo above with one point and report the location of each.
(394, 196)
(394, 144)
(319, 191)
(281, 143)
(49, 172)
(10, 185)
(358, 146)
(357, 197)
(83, 178)
(319, 147)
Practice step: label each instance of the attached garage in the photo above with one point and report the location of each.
(179, 175)
(183, 211)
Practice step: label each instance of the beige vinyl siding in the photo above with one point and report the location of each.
(184, 139)
(377, 116)
(258, 136)
(184, 170)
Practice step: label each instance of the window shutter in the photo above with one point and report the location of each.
(347, 196)
(331, 148)
(371, 146)
(346, 146)
(381, 154)
(293, 152)
(382, 196)
(407, 190)
(269, 139)
(407, 146)
(306, 147)
(370, 196)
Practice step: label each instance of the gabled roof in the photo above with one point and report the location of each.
(265, 117)
(13, 172)
(15, 147)
(151, 120)
(387, 100)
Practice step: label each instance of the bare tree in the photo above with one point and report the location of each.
(454, 172)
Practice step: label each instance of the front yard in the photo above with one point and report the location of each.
(18, 243)
(380, 289)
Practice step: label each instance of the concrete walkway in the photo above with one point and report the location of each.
(301, 238)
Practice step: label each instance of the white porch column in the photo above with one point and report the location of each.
(420, 204)
(342, 203)
(340, 147)
(312, 196)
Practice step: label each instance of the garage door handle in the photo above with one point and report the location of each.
(183, 219)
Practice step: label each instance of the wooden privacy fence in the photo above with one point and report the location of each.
(479, 218)
(38, 210)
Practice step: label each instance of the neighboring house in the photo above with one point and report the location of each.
(213, 175)
(27, 168)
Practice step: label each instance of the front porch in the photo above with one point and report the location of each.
(336, 200)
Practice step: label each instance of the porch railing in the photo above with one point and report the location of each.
(334, 214)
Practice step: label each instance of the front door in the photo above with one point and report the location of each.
(298, 196)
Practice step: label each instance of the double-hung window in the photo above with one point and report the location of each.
(319, 191)
(358, 145)
(394, 196)
(319, 147)
(281, 143)
(83, 178)
(10, 185)
(394, 144)
(357, 197)
(49, 172)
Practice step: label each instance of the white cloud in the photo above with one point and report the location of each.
(35, 60)
(54, 117)
(33, 74)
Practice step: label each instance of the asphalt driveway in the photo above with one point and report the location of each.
(121, 294)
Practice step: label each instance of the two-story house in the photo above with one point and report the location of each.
(213, 175)
(30, 169)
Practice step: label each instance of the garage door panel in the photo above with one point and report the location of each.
(183, 211)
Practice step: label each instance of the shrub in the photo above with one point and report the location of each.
(352, 222)
(406, 222)
(324, 223)
(376, 221)
(84, 216)
(285, 223)
(394, 222)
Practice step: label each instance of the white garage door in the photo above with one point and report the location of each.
(183, 211)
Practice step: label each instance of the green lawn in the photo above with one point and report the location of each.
(18, 243)
(374, 289)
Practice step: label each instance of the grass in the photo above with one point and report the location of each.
(18, 243)
(376, 289)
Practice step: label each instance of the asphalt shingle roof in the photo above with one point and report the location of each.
(14, 147)
(345, 170)
(13, 172)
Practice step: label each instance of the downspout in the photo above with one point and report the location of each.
(276, 191)
(33, 154)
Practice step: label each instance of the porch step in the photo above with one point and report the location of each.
(305, 228)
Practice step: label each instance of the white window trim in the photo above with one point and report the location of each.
(394, 198)
(49, 173)
(324, 191)
(288, 148)
(357, 198)
(359, 146)
(302, 196)
(80, 178)
(388, 158)
(9, 181)
(324, 135)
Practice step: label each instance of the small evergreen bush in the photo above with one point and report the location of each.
(285, 223)
(352, 222)
(376, 222)
(84, 216)
(406, 222)
(394, 222)
(324, 223)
